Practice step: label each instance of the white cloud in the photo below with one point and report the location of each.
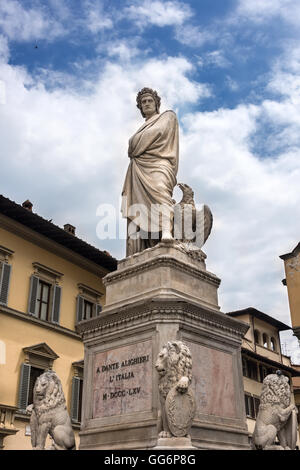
(283, 112)
(193, 36)
(214, 58)
(217, 58)
(96, 19)
(4, 49)
(232, 84)
(253, 202)
(158, 13)
(264, 10)
(286, 72)
(61, 9)
(124, 50)
(21, 24)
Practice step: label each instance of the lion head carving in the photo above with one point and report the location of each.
(276, 391)
(173, 362)
(48, 393)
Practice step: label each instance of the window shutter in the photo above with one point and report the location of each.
(79, 309)
(4, 283)
(34, 284)
(98, 309)
(75, 398)
(24, 386)
(56, 304)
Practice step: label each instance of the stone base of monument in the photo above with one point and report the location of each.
(174, 443)
(162, 294)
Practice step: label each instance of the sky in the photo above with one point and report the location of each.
(69, 74)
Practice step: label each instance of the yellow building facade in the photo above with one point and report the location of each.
(49, 281)
(292, 281)
(261, 356)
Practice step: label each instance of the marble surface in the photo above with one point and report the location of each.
(213, 381)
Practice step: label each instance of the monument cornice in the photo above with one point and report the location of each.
(165, 261)
(148, 314)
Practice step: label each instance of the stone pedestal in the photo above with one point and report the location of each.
(174, 443)
(162, 294)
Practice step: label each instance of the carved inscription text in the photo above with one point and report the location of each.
(123, 380)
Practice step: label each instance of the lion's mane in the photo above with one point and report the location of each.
(176, 360)
(275, 391)
(54, 397)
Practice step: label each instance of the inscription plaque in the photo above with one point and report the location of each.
(123, 380)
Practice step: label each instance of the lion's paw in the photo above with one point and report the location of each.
(164, 434)
(183, 385)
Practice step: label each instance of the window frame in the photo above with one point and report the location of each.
(77, 393)
(46, 276)
(257, 336)
(273, 344)
(5, 277)
(251, 405)
(40, 302)
(39, 356)
(87, 297)
(247, 370)
(265, 340)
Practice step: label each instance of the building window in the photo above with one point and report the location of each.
(45, 294)
(265, 340)
(42, 301)
(88, 303)
(38, 359)
(264, 371)
(273, 344)
(252, 406)
(5, 273)
(250, 369)
(35, 372)
(87, 310)
(256, 336)
(77, 389)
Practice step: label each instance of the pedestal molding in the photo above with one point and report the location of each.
(177, 312)
(166, 261)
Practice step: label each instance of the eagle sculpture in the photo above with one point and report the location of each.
(191, 225)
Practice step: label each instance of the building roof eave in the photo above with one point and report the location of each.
(293, 253)
(262, 316)
(52, 232)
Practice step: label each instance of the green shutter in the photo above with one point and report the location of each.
(4, 283)
(34, 284)
(98, 309)
(24, 386)
(75, 399)
(56, 304)
(79, 308)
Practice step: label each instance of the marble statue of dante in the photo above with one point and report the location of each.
(151, 175)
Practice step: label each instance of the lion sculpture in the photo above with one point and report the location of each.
(276, 415)
(174, 366)
(49, 414)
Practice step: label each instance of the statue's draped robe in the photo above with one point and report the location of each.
(151, 175)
